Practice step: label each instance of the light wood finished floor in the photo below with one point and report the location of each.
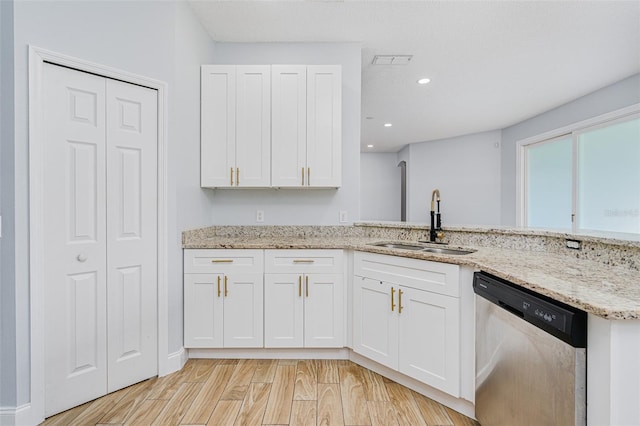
(264, 392)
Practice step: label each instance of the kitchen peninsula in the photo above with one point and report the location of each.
(602, 278)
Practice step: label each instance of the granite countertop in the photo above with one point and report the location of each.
(611, 292)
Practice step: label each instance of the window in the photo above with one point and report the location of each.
(584, 180)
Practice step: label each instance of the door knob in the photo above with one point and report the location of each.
(81, 257)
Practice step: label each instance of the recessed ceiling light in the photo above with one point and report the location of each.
(369, 146)
(424, 80)
(388, 124)
(369, 118)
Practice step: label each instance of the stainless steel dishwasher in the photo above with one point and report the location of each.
(530, 357)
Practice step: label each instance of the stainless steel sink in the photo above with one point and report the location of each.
(419, 247)
(399, 246)
(447, 250)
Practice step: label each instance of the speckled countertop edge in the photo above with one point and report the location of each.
(607, 238)
(606, 291)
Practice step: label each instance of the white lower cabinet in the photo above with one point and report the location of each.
(429, 348)
(406, 328)
(223, 299)
(304, 296)
(375, 324)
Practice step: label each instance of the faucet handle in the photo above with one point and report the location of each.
(440, 234)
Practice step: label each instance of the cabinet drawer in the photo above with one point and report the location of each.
(303, 261)
(210, 261)
(441, 278)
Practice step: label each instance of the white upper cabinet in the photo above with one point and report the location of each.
(271, 126)
(306, 116)
(289, 125)
(236, 126)
(324, 126)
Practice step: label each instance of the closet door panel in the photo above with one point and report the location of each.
(75, 248)
(131, 233)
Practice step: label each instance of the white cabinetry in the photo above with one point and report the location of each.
(306, 125)
(407, 317)
(223, 298)
(235, 126)
(304, 299)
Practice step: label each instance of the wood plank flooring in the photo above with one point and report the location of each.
(264, 392)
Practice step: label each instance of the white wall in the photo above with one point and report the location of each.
(610, 98)
(466, 170)
(7, 254)
(161, 40)
(300, 206)
(379, 186)
(192, 47)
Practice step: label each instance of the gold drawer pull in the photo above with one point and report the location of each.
(306, 283)
(300, 286)
(303, 260)
(303, 176)
(400, 301)
(221, 260)
(237, 176)
(218, 285)
(231, 176)
(226, 290)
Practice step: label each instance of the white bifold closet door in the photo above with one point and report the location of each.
(100, 179)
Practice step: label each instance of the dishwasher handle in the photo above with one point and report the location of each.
(511, 309)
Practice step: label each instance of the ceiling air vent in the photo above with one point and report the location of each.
(391, 59)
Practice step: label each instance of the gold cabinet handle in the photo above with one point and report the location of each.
(400, 301)
(226, 290)
(218, 285)
(393, 303)
(299, 285)
(303, 260)
(308, 175)
(237, 176)
(306, 285)
(221, 260)
(303, 176)
(231, 176)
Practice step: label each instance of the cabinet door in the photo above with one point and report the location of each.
(323, 311)
(430, 339)
(243, 309)
(253, 126)
(288, 125)
(283, 307)
(324, 126)
(375, 324)
(218, 125)
(203, 311)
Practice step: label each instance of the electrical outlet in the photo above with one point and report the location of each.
(573, 244)
(343, 216)
(259, 215)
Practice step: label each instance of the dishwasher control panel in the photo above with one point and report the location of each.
(565, 322)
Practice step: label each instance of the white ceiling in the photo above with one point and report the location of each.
(491, 63)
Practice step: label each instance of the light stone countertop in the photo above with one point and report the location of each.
(611, 292)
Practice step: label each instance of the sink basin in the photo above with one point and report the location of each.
(418, 247)
(447, 250)
(400, 246)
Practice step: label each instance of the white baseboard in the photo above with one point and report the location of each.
(176, 361)
(18, 416)
(271, 353)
